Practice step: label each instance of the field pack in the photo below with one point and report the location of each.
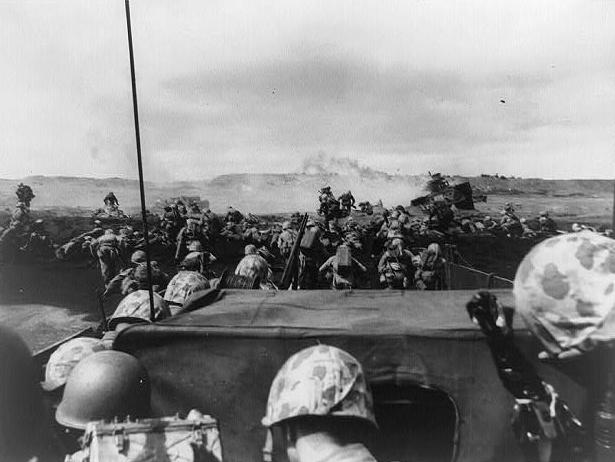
(344, 258)
(169, 439)
(308, 241)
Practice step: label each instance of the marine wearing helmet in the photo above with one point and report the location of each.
(321, 401)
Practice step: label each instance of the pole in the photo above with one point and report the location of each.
(148, 262)
(613, 222)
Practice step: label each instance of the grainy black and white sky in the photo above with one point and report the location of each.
(260, 86)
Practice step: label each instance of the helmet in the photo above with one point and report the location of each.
(395, 214)
(140, 274)
(576, 227)
(134, 309)
(184, 284)
(544, 213)
(250, 249)
(320, 380)
(286, 225)
(564, 291)
(97, 222)
(138, 256)
(310, 223)
(434, 248)
(195, 246)
(104, 385)
(65, 358)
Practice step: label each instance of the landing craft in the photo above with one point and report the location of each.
(437, 394)
(461, 195)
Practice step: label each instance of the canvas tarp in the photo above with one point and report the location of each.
(222, 358)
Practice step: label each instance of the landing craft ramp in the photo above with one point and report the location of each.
(222, 359)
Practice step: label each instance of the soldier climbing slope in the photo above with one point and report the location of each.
(347, 202)
(108, 253)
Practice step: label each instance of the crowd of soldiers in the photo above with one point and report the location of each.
(331, 252)
(337, 249)
(320, 399)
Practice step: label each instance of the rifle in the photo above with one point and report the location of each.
(293, 259)
(539, 415)
(101, 307)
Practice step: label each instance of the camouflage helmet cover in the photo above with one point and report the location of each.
(195, 246)
(138, 256)
(184, 284)
(65, 358)
(134, 308)
(319, 381)
(565, 291)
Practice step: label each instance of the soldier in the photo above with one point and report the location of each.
(252, 265)
(404, 217)
(563, 292)
(63, 360)
(25, 432)
(135, 277)
(527, 231)
(366, 208)
(395, 266)
(111, 201)
(233, 216)
(353, 236)
(108, 254)
(39, 243)
(342, 270)
(430, 274)
(490, 224)
(252, 234)
(310, 254)
(347, 202)
(321, 401)
(127, 241)
(332, 237)
(286, 240)
(198, 259)
(547, 224)
(509, 222)
(184, 283)
(192, 231)
(135, 309)
(106, 385)
(231, 232)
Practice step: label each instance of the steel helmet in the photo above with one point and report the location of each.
(65, 358)
(134, 309)
(184, 284)
(564, 290)
(319, 381)
(195, 246)
(250, 249)
(138, 256)
(103, 386)
(286, 225)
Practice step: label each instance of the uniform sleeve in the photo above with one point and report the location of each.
(326, 265)
(382, 263)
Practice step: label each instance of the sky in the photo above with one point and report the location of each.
(523, 88)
